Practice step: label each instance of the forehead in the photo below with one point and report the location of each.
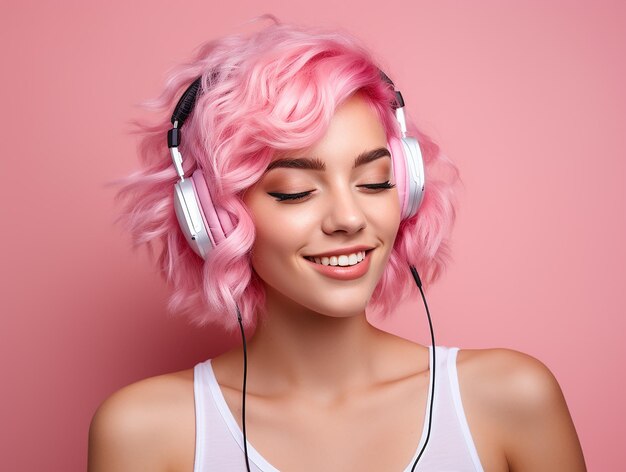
(355, 136)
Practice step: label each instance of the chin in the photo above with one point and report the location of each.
(330, 298)
(340, 309)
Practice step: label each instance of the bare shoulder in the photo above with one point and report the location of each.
(524, 402)
(141, 426)
(511, 380)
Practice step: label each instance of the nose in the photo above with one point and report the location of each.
(344, 214)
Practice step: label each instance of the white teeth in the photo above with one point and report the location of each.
(343, 260)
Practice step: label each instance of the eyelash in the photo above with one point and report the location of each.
(296, 196)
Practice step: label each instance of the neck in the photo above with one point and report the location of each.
(320, 356)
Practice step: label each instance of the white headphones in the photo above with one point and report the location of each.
(205, 224)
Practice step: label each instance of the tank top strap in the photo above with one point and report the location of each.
(450, 446)
(455, 391)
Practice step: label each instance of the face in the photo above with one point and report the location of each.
(315, 203)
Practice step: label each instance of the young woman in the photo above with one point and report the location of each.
(294, 203)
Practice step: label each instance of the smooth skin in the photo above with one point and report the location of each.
(317, 362)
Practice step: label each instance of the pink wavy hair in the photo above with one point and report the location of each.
(273, 90)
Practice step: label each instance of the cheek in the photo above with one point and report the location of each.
(394, 220)
(385, 214)
(280, 235)
(385, 220)
(274, 258)
(268, 242)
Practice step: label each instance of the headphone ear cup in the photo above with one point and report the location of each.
(216, 219)
(408, 171)
(398, 162)
(190, 218)
(203, 224)
(415, 173)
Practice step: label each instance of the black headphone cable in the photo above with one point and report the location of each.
(418, 282)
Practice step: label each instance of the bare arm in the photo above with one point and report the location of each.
(121, 437)
(126, 433)
(538, 431)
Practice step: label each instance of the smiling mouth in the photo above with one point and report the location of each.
(344, 260)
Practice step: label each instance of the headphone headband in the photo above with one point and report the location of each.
(187, 101)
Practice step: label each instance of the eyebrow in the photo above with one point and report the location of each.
(313, 163)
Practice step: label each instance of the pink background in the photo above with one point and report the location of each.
(527, 98)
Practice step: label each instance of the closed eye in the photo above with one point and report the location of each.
(297, 196)
(382, 185)
(288, 196)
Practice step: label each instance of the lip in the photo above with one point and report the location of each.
(339, 252)
(344, 272)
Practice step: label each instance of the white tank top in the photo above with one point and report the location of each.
(219, 440)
